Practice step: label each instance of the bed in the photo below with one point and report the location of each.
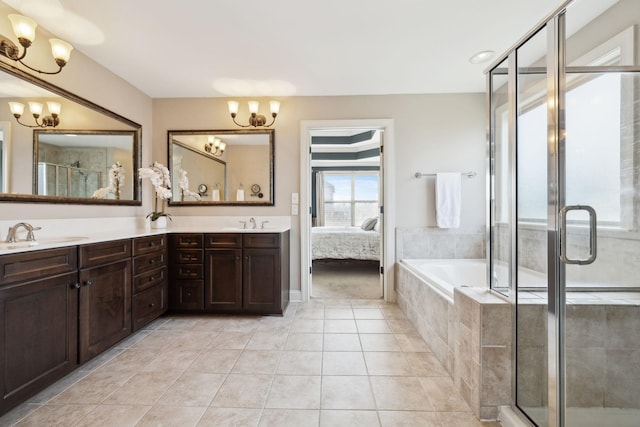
(345, 243)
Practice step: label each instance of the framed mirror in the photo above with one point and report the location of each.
(224, 167)
(72, 159)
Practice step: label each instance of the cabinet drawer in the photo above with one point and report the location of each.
(32, 265)
(188, 256)
(223, 240)
(261, 240)
(149, 305)
(186, 271)
(148, 244)
(186, 240)
(144, 263)
(149, 279)
(104, 252)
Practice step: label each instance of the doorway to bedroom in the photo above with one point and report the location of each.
(346, 194)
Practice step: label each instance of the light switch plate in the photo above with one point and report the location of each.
(294, 209)
(294, 198)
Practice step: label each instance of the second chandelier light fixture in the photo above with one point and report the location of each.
(53, 120)
(255, 119)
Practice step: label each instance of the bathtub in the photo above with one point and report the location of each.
(443, 275)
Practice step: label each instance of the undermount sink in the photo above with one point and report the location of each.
(41, 241)
(247, 230)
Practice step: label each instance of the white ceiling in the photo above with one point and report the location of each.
(211, 48)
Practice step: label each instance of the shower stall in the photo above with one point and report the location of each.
(68, 180)
(564, 213)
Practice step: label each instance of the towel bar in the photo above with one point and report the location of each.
(467, 174)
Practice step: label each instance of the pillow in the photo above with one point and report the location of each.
(377, 226)
(369, 223)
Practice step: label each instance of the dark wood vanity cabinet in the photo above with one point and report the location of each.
(105, 296)
(247, 273)
(150, 285)
(39, 329)
(186, 287)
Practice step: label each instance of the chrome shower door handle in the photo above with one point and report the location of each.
(593, 240)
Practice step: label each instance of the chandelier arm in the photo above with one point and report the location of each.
(272, 122)
(242, 126)
(37, 125)
(35, 69)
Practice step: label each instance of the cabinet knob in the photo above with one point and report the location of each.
(152, 244)
(152, 305)
(152, 261)
(88, 283)
(151, 279)
(75, 286)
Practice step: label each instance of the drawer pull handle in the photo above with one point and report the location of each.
(88, 283)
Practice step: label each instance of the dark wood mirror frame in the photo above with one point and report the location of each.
(270, 191)
(134, 128)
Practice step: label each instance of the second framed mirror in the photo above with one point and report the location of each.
(222, 167)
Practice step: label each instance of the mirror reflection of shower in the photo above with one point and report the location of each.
(71, 180)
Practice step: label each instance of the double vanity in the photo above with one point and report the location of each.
(64, 301)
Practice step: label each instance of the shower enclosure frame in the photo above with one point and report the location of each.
(556, 68)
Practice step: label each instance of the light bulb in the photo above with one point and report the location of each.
(23, 27)
(61, 50)
(233, 106)
(17, 109)
(275, 107)
(54, 108)
(35, 108)
(253, 107)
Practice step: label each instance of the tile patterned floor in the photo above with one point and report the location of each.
(326, 363)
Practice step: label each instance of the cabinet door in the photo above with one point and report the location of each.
(261, 280)
(149, 305)
(223, 280)
(105, 307)
(38, 337)
(186, 295)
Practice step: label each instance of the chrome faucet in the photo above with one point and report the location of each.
(11, 235)
(253, 221)
(244, 224)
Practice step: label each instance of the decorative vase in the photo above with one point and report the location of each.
(161, 222)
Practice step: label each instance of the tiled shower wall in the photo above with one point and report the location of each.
(439, 243)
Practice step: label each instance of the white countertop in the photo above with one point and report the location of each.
(81, 231)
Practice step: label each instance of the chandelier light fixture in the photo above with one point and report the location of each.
(25, 30)
(52, 120)
(255, 119)
(215, 146)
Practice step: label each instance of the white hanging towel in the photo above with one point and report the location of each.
(448, 200)
(240, 195)
(215, 195)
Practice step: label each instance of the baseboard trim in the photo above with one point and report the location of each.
(295, 296)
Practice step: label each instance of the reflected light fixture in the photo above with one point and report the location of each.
(255, 119)
(481, 57)
(53, 120)
(25, 30)
(215, 146)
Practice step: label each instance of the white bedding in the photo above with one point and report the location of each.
(345, 243)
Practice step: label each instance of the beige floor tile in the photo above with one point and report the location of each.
(133, 359)
(338, 313)
(192, 389)
(58, 387)
(443, 394)
(289, 418)
(18, 413)
(465, 419)
(93, 388)
(426, 365)
(267, 341)
(242, 324)
(310, 313)
(367, 303)
(393, 312)
(231, 340)
(177, 360)
(411, 419)
(257, 362)
(342, 342)
(402, 326)
(230, 417)
(114, 415)
(144, 388)
(347, 392)
(368, 313)
(304, 342)
(281, 326)
(185, 340)
(215, 361)
(172, 416)
(300, 363)
(295, 392)
(343, 363)
(56, 415)
(369, 326)
(332, 418)
(412, 343)
(388, 363)
(308, 326)
(243, 391)
(379, 342)
(340, 326)
(399, 394)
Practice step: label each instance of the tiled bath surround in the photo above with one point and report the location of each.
(471, 336)
(439, 243)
